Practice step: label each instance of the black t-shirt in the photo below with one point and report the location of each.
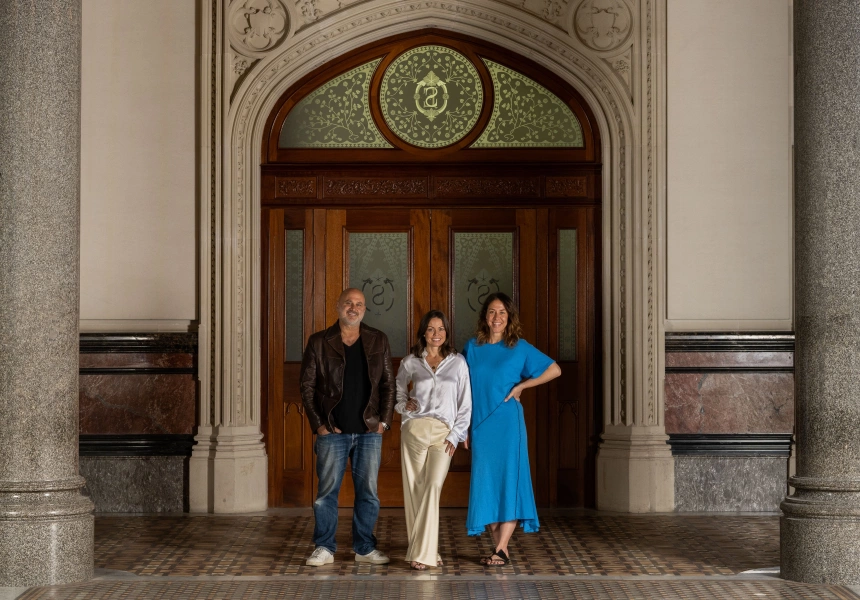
(349, 412)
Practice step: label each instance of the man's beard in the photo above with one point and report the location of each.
(347, 320)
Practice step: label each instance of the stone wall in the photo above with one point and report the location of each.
(138, 408)
(730, 417)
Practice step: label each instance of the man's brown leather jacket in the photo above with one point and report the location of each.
(322, 377)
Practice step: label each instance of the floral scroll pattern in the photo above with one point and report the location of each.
(335, 115)
(431, 96)
(527, 115)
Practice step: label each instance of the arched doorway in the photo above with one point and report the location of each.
(429, 168)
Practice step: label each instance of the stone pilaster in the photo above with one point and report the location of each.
(635, 468)
(228, 469)
(820, 527)
(46, 526)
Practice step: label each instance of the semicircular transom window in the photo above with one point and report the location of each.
(431, 97)
(526, 114)
(335, 115)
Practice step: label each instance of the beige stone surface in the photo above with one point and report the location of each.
(138, 160)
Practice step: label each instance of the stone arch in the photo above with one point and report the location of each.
(230, 312)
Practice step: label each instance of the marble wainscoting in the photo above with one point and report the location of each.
(730, 483)
(740, 402)
(136, 484)
(138, 403)
(730, 418)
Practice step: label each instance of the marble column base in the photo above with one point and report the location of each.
(820, 532)
(228, 471)
(46, 535)
(635, 470)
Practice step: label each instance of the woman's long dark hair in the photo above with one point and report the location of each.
(513, 330)
(421, 343)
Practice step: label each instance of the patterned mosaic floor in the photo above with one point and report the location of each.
(415, 590)
(575, 555)
(587, 544)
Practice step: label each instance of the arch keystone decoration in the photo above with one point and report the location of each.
(635, 468)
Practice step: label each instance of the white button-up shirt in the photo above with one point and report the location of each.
(445, 394)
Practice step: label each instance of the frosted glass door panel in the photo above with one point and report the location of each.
(295, 294)
(379, 267)
(567, 294)
(483, 264)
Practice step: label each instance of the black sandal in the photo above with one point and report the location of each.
(489, 561)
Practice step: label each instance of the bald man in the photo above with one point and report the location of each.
(348, 389)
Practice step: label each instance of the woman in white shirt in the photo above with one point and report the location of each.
(435, 414)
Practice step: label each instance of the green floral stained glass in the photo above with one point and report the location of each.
(431, 96)
(335, 115)
(379, 267)
(527, 115)
(483, 264)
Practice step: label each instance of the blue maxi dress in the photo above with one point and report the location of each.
(501, 484)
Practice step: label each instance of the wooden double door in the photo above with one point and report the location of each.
(407, 261)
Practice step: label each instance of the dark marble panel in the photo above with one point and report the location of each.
(729, 402)
(136, 360)
(729, 359)
(144, 403)
(705, 341)
(139, 342)
(723, 483)
(136, 484)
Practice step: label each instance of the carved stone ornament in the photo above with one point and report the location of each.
(551, 11)
(241, 64)
(603, 24)
(622, 65)
(256, 26)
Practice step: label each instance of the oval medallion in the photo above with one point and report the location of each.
(431, 96)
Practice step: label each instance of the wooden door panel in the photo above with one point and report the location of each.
(414, 291)
(571, 396)
(447, 226)
(287, 430)
(560, 417)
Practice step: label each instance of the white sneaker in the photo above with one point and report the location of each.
(374, 557)
(320, 556)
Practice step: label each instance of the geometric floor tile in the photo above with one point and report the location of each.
(435, 590)
(576, 554)
(582, 544)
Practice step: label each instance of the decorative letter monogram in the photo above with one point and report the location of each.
(431, 96)
(427, 96)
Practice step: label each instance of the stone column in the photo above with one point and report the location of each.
(46, 526)
(820, 527)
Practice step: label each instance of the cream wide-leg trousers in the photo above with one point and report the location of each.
(425, 466)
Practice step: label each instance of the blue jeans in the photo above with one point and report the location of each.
(333, 450)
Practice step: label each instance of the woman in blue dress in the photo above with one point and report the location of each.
(501, 366)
